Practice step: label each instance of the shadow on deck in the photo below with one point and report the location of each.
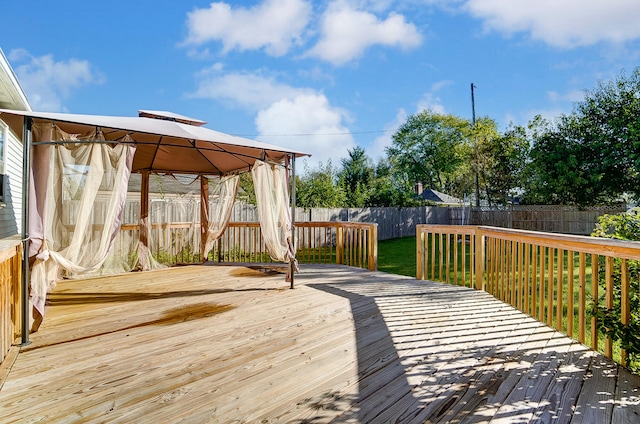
(227, 344)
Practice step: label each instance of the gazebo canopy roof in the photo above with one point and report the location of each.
(164, 144)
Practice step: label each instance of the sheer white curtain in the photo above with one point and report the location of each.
(80, 190)
(221, 198)
(272, 197)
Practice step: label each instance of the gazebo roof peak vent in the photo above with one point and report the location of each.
(170, 116)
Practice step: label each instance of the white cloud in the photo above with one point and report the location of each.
(249, 90)
(551, 114)
(346, 33)
(566, 23)
(307, 123)
(571, 96)
(296, 117)
(430, 101)
(273, 25)
(47, 82)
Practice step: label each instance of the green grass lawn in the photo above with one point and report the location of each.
(398, 256)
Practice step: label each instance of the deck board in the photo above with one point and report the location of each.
(230, 344)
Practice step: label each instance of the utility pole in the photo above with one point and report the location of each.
(473, 105)
(473, 121)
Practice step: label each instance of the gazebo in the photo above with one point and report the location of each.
(68, 158)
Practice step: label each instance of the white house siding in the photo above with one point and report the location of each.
(11, 211)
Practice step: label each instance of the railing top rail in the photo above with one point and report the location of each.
(343, 224)
(594, 245)
(257, 224)
(451, 229)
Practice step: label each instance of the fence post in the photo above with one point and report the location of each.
(339, 244)
(479, 258)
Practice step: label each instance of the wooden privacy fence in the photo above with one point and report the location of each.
(394, 222)
(10, 312)
(557, 279)
(347, 243)
(547, 218)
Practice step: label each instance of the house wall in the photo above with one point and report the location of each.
(11, 97)
(11, 208)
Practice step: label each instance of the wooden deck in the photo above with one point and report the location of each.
(229, 344)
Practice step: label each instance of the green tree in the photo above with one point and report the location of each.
(356, 177)
(246, 191)
(319, 188)
(429, 148)
(390, 188)
(480, 153)
(505, 159)
(610, 126)
(593, 155)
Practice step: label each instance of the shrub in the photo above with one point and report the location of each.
(625, 226)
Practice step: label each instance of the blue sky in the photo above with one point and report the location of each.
(319, 77)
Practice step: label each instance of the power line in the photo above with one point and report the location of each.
(315, 134)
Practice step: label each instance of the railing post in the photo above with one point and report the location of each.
(339, 244)
(480, 258)
(373, 247)
(419, 253)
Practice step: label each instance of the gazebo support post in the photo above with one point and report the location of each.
(293, 214)
(26, 178)
(144, 220)
(204, 216)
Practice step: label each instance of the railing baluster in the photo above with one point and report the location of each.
(608, 345)
(594, 294)
(432, 238)
(543, 255)
(527, 276)
(582, 278)
(570, 292)
(465, 262)
(624, 304)
(550, 257)
(559, 285)
(455, 259)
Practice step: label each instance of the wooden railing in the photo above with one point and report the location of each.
(347, 243)
(10, 311)
(552, 277)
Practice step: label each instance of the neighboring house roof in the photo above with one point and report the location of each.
(437, 197)
(12, 95)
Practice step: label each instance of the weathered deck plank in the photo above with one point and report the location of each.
(230, 344)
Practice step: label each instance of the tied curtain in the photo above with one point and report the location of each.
(272, 197)
(77, 196)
